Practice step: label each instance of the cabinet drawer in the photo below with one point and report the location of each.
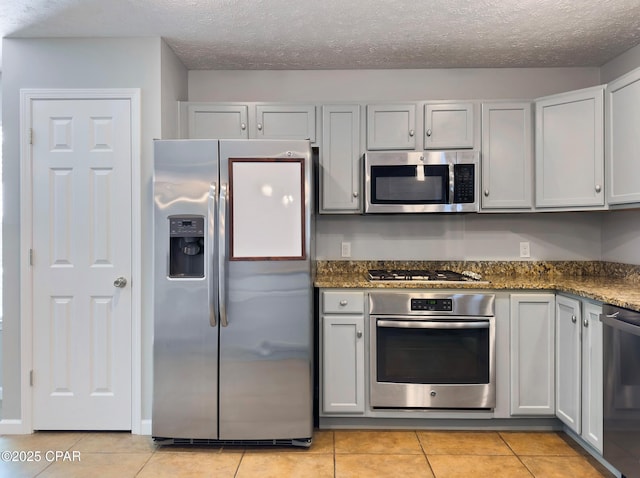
(343, 302)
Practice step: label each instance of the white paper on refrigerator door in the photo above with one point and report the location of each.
(267, 209)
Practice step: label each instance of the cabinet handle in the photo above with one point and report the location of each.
(585, 323)
(343, 302)
(598, 188)
(259, 126)
(486, 192)
(428, 132)
(355, 194)
(359, 334)
(243, 126)
(574, 319)
(411, 133)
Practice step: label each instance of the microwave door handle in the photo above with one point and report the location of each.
(432, 324)
(452, 182)
(212, 266)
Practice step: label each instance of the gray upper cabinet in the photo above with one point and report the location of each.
(448, 126)
(507, 156)
(286, 122)
(623, 139)
(570, 150)
(207, 121)
(340, 159)
(391, 126)
(248, 121)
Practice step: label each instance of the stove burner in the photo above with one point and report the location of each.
(422, 275)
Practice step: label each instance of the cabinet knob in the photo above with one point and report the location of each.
(428, 132)
(411, 133)
(344, 302)
(574, 319)
(486, 192)
(585, 323)
(355, 194)
(359, 334)
(243, 126)
(598, 188)
(259, 126)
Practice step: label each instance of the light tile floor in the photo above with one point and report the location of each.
(340, 454)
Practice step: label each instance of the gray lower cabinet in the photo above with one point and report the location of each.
(532, 351)
(342, 352)
(579, 367)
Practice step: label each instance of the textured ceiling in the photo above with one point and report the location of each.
(347, 34)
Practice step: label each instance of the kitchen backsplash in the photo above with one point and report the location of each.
(572, 236)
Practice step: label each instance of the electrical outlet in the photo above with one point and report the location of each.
(525, 249)
(346, 249)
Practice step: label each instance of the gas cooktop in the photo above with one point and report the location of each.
(423, 275)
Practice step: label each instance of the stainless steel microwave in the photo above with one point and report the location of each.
(420, 182)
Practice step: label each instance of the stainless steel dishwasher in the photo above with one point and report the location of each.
(621, 440)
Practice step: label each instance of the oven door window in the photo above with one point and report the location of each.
(410, 184)
(453, 355)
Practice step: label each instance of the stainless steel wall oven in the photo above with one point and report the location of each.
(432, 350)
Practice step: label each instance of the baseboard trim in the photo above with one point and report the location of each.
(145, 427)
(13, 427)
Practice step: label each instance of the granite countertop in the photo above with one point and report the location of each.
(607, 282)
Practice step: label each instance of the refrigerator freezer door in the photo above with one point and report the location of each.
(185, 344)
(266, 348)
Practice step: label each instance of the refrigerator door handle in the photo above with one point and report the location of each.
(222, 209)
(212, 265)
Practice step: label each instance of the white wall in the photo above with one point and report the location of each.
(389, 85)
(72, 63)
(552, 236)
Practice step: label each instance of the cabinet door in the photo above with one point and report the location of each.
(568, 362)
(507, 152)
(342, 364)
(391, 126)
(592, 381)
(570, 150)
(532, 354)
(448, 126)
(623, 140)
(286, 122)
(340, 159)
(211, 121)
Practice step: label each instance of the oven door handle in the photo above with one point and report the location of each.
(614, 321)
(432, 324)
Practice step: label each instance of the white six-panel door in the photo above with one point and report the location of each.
(81, 203)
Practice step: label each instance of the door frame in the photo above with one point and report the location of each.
(27, 97)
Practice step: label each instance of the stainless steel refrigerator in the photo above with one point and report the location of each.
(232, 292)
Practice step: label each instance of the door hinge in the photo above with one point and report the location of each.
(31, 378)
(30, 257)
(30, 135)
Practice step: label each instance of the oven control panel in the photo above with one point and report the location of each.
(436, 305)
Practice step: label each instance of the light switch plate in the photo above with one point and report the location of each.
(346, 249)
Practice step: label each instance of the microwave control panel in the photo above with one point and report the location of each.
(464, 183)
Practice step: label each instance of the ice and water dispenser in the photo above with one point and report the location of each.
(186, 246)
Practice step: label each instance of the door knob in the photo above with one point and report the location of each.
(120, 282)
